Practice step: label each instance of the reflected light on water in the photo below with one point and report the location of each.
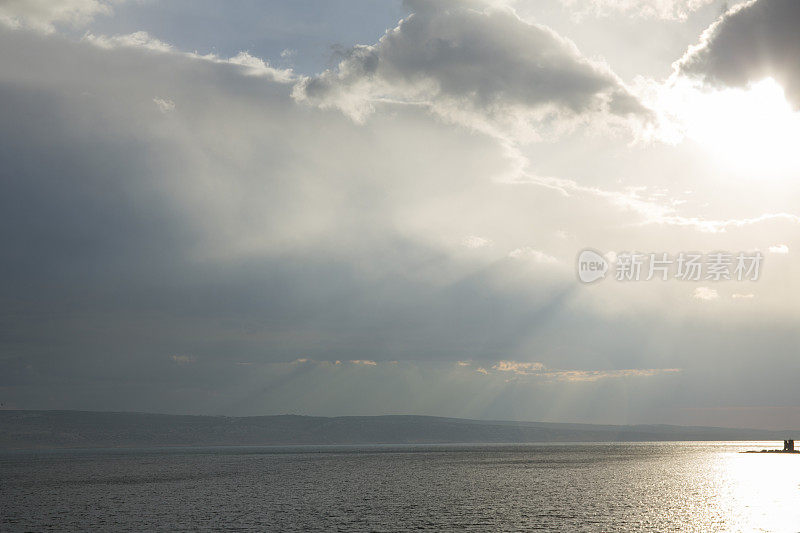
(576, 487)
(759, 491)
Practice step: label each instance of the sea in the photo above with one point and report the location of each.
(596, 487)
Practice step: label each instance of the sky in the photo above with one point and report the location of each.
(360, 207)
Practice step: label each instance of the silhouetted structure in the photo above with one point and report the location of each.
(788, 447)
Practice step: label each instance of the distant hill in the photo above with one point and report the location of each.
(84, 429)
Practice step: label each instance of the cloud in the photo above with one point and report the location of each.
(238, 225)
(651, 210)
(184, 359)
(253, 66)
(139, 39)
(705, 293)
(538, 370)
(720, 226)
(752, 41)
(661, 9)
(596, 375)
(43, 14)
(248, 228)
(517, 367)
(473, 64)
(779, 249)
(317, 362)
(474, 241)
(165, 105)
(535, 255)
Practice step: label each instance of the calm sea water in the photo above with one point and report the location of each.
(585, 487)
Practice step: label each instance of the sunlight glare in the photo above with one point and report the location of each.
(754, 130)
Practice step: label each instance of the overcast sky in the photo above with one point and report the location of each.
(375, 207)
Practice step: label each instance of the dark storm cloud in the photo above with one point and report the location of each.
(752, 41)
(177, 234)
(155, 245)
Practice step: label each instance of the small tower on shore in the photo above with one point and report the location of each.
(788, 445)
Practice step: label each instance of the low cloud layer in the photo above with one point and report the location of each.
(539, 371)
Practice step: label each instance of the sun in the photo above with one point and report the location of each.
(753, 130)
